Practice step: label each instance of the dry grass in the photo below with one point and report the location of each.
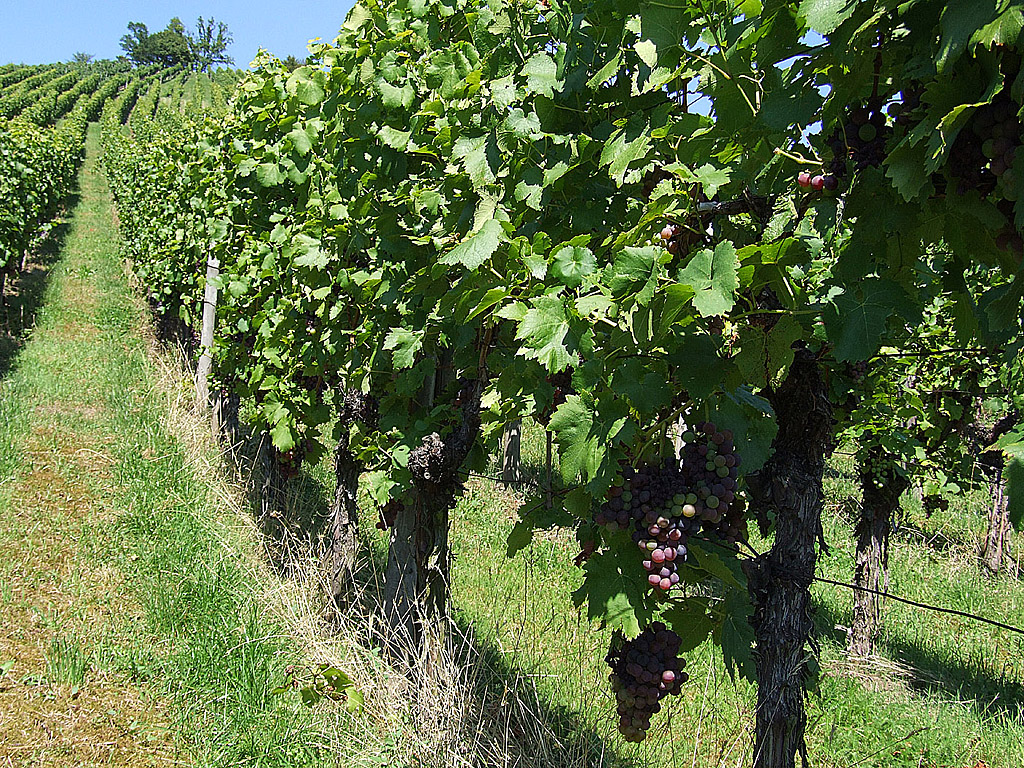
(464, 713)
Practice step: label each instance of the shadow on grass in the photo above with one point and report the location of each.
(935, 671)
(23, 295)
(509, 713)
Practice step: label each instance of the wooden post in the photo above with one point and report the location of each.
(511, 454)
(206, 336)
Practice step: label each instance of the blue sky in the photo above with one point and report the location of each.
(45, 31)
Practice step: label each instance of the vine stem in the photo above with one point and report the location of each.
(797, 158)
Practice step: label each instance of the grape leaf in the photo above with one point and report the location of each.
(541, 75)
(736, 636)
(478, 248)
(825, 16)
(857, 318)
(584, 433)
(305, 84)
(690, 620)
(573, 263)
(714, 277)
(700, 367)
(635, 271)
(959, 22)
(404, 343)
(269, 174)
(724, 567)
(544, 330)
(613, 589)
(300, 139)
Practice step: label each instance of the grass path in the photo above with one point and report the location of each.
(130, 632)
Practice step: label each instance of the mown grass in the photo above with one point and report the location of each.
(188, 620)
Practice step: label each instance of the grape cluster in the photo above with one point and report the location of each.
(861, 139)
(290, 462)
(982, 157)
(670, 237)
(644, 671)
(858, 370)
(934, 503)
(667, 503)
(876, 469)
(562, 384)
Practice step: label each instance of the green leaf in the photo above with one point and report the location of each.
(626, 146)
(543, 330)
(714, 277)
(541, 75)
(478, 248)
(690, 620)
(960, 20)
(856, 319)
(269, 174)
(395, 97)
(700, 369)
(725, 568)
(300, 140)
(736, 636)
(613, 589)
(825, 16)
(708, 176)
(404, 344)
(635, 271)
(584, 434)
(477, 155)
(394, 138)
(305, 85)
(764, 357)
(573, 263)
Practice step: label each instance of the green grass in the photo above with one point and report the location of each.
(203, 638)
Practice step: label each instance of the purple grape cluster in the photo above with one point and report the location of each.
(562, 385)
(667, 503)
(861, 140)
(858, 370)
(982, 157)
(644, 671)
(934, 503)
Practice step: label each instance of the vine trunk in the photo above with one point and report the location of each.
(790, 485)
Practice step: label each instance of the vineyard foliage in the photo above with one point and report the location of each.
(46, 111)
(457, 191)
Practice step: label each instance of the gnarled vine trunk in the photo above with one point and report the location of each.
(871, 569)
(417, 578)
(790, 485)
(344, 532)
(995, 548)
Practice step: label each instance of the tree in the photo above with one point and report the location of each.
(82, 58)
(291, 63)
(209, 44)
(169, 47)
(135, 42)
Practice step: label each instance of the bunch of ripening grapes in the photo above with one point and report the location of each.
(669, 502)
(644, 671)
